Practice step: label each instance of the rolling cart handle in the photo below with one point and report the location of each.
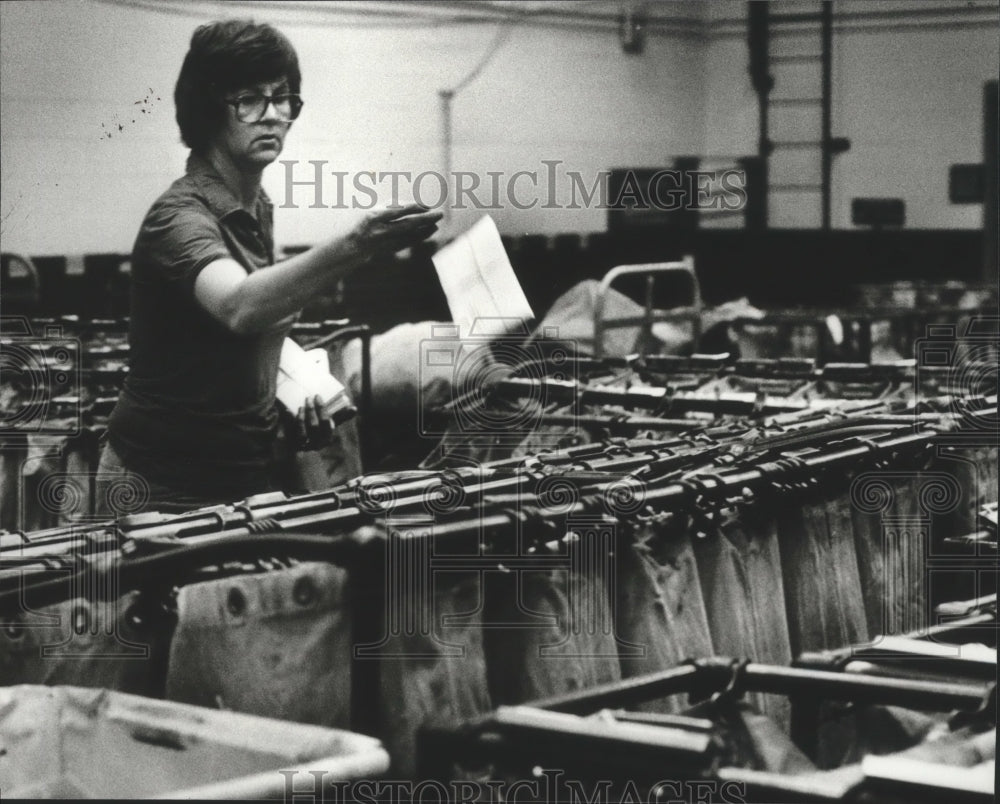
(691, 312)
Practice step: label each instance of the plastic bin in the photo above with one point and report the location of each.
(72, 742)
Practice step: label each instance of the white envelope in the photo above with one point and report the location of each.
(484, 296)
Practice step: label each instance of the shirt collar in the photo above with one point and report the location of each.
(220, 198)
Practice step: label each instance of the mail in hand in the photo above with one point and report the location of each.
(484, 296)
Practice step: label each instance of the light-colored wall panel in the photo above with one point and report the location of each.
(372, 103)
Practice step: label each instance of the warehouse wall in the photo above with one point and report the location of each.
(89, 140)
(907, 92)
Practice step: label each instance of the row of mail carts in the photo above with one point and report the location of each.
(641, 578)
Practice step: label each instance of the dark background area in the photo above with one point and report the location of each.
(774, 268)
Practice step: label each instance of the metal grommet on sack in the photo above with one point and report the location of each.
(133, 617)
(304, 592)
(13, 630)
(80, 620)
(236, 602)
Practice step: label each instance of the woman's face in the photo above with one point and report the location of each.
(250, 143)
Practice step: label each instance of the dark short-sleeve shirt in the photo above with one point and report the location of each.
(197, 410)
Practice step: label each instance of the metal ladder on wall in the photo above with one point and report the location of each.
(796, 142)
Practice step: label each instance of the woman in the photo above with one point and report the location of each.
(196, 419)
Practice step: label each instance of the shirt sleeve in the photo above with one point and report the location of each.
(177, 241)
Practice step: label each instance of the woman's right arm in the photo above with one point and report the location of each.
(252, 303)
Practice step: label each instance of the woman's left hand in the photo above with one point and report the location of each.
(313, 427)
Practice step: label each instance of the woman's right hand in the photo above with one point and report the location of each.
(384, 232)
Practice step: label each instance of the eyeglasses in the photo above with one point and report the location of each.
(252, 107)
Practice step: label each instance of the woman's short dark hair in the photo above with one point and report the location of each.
(225, 56)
